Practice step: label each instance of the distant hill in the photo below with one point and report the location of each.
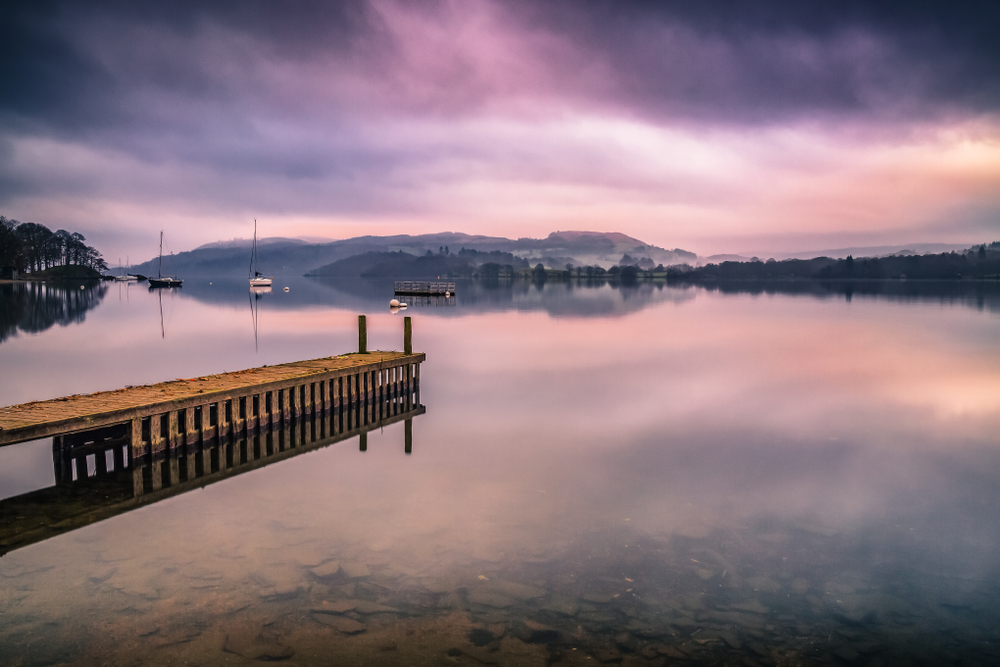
(246, 243)
(872, 251)
(726, 258)
(297, 257)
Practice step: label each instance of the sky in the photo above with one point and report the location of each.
(771, 125)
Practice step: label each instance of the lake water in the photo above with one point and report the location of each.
(604, 474)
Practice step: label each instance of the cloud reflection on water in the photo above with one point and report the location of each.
(846, 446)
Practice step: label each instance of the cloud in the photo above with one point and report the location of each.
(668, 120)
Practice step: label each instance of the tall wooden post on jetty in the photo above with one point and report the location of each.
(407, 336)
(362, 335)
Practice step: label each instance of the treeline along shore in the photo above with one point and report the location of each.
(978, 262)
(30, 249)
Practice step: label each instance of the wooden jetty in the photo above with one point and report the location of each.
(418, 287)
(168, 414)
(138, 443)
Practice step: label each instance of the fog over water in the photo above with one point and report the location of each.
(646, 475)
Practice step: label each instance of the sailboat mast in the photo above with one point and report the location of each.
(159, 269)
(253, 248)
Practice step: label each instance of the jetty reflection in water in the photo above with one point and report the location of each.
(97, 478)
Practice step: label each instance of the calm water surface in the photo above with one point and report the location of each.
(646, 475)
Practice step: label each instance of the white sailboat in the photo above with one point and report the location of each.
(257, 279)
(124, 274)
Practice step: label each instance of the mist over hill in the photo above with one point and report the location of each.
(296, 257)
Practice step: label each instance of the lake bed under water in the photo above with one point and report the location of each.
(640, 475)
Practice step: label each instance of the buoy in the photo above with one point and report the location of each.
(81, 286)
(402, 305)
(394, 303)
(286, 289)
(393, 309)
(447, 294)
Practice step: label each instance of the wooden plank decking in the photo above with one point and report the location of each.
(29, 421)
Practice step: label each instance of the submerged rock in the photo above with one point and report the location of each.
(252, 642)
(561, 605)
(356, 570)
(341, 623)
(326, 569)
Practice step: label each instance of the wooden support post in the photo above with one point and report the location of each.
(174, 466)
(234, 459)
(156, 444)
(202, 412)
(138, 448)
(363, 444)
(220, 408)
(416, 384)
(407, 385)
(407, 336)
(185, 420)
(174, 434)
(157, 466)
(408, 436)
(270, 406)
(240, 416)
(362, 335)
(137, 482)
(225, 419)
(369, 396)
(61, 461)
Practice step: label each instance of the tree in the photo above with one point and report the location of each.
(36, 239)
(32, 246)
(490, 271)
(11, 246)
(538, 273)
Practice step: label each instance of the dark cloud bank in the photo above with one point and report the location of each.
(72, 68)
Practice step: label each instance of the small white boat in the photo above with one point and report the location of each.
(125, 276)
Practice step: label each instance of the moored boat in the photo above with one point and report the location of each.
(257, 279)
(162, 280)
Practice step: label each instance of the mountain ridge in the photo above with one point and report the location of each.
(297, 256)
